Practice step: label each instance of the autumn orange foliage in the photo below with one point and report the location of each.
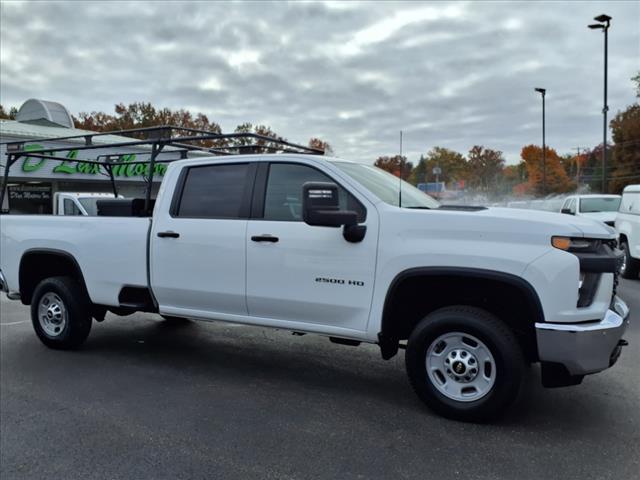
(557, 180)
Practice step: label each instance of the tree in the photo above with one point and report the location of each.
(484, 168)
(395, 165)
(557, 180)
(10, 115)
(141, 115)
(636, 80)
(321, 145)
(625, 161)
(514, 179)
(452, 164)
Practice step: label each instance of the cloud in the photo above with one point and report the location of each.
(355, 73)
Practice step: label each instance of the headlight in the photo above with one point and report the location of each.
(577, 245)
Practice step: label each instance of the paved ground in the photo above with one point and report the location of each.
(145, 399)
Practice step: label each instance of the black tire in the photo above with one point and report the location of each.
(76, 305)
(510, 366)
(632, 265)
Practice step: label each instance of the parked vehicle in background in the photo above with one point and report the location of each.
(598, 207)
(628, 226)
(70, 203)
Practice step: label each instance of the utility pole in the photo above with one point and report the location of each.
(577, 149)
(543, 92)
(604, 24)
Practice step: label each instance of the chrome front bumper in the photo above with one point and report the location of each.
(587, 347)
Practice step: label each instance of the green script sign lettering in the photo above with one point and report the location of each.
(121, 168)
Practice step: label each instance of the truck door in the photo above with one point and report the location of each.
(300, 273)
(198, 256)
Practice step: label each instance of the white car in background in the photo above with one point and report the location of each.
(628, 226)
(599, 207)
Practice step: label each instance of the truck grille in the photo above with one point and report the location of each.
(613, 244)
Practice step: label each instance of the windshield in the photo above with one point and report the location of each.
(386, 186)
(599, 204)
(90, 205)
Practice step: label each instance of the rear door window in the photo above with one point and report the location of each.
(215, 191)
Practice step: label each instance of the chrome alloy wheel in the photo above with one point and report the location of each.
(461, 367)
(52, 314)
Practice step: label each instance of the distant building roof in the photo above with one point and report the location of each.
(42, 112)
(30, 131)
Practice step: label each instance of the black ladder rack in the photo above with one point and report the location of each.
(181, 141)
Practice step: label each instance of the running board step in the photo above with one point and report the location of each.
(344, 341)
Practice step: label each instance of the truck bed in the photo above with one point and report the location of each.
(106, 265)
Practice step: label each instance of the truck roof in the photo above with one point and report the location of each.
(595, 195)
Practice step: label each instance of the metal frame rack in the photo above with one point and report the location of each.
(180, 139)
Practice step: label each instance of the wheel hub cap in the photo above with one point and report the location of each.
(461, 366)
(52, 314)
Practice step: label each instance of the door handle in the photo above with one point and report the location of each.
(264, 238)
(168, 234)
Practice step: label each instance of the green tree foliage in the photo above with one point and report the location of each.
(452, 164)
(8, 115)
(484, 168)
(395, 165)
(636, 80)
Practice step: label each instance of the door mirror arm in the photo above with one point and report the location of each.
(354, 233)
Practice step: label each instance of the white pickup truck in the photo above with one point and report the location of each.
(318, 245)
(72, 203)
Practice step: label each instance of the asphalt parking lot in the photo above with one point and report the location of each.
(148, 399)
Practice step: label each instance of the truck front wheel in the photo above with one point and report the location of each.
(61, 313)
(465, 363)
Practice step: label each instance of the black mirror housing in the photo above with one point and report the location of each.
(321, 208)
(567, 211)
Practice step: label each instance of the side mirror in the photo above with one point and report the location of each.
(567, 211)
(321, 208)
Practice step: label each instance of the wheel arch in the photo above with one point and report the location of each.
(50, 263)
(497, 292)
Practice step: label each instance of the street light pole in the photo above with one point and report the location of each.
(605, 22)
(543, 92)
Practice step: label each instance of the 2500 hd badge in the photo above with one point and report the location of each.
(340, 281)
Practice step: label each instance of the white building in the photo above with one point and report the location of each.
(33, 181)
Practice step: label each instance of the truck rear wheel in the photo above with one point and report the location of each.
(61, 313)
(630, 266)
(464, 363)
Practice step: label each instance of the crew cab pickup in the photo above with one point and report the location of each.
(326, 246)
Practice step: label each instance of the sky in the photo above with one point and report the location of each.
(448, 74)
